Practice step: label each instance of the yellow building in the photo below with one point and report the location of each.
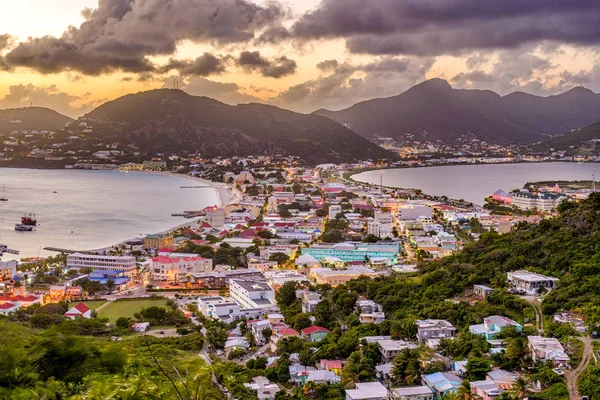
(158, 242)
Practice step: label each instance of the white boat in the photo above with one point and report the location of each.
(3, 247)
(23, 227)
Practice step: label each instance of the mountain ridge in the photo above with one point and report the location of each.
(433, 110)
(31, 118)
(172, 120)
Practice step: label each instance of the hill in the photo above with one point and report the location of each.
(433, 110)
(31, 118)
(171, 121)
(581, 141)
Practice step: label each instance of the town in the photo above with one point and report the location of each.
(271, 281)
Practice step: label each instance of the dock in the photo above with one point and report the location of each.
(196, 187)
(59, 250)
(11, 251)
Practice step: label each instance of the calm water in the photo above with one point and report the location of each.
(475, 182)
(91, 209)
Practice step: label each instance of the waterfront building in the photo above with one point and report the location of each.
(158, 241)
(543, 201)
(8, 269)
(102, 263)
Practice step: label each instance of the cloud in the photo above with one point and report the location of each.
(122, 34)
(347, 83)
(229, 93)
(206, 64)
(50, 97)
(5, 41)
(434, 27)
(276, 68)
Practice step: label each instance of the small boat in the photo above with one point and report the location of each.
(3, 247)
(28, 219)
(23, 227)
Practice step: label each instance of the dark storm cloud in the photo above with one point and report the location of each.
(433, 27)
(5, 41)
(275, 68)
(328, 65)
(205, 65)
(121, 34)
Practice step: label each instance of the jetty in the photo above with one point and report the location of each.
(196, 187)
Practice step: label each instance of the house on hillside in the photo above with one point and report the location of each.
(315, 333)
(79, 310)
(493, 325)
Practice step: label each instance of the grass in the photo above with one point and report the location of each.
(126, 308)
(94, 304)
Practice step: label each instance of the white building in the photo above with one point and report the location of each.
(530, 282)
(8, 268)
(175, 268)
(367, 391)
(251, 293)
(334, 210)
(102, 263)
(547, 349)
(412, 393)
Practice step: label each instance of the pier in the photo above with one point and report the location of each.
(59, 250)
(196, 187)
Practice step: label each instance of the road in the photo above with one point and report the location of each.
(537, 309)
(573, 376)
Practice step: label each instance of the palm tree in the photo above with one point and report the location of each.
(517, 350)
(520, 388)
(404, 359)
(464, 391)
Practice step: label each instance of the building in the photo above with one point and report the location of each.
(251, 293)
(371, 318)
(429, 329)
(265, 390)
(367, 391)
(530, 282)
(79, 310)
(175, 268)
(482, 290)
(503, 379)
(354, 252)
(315, 333)
(158, 241)
(548, 349)
(543, 201)
(367, 306)
(410, 212)
(280, 334)
(322, 376)
(334, 210)
(568, 318)
(389, 349)
(118, 278)
(334, 366)
(493, 325)
(8, 269)
(310, 301)
(441, 383)
(140, 326)
(102, 263)
(412, 393)
(486, 390)
(335, 277)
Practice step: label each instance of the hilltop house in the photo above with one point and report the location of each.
(493, 325)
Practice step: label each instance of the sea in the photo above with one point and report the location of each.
(476, 182)
(85, 210)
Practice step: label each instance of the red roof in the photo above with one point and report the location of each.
(165, 250)
(199, 242)
(239, 227)
(7, 306)
(314, 329)
(288, 332)
(333, 364)
(82, 308)
(205, 225)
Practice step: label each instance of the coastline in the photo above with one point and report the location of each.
(225, 196)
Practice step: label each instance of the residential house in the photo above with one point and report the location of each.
(371, 318)
(235, 343)
(280, 334)
(548, 349)
(432, 330)
(568, 318)
(441, 383)
(322, 376)
(140, 326)
(367, 391)
(79, 310)
(486, 390)
(493, 325)
(310, 301)
(383, 373)
(530, 282)
(257, 328)
(334, 366)
(315, 333)
(7, 308)
(299, 373)
(482, 290)
(389, 349)
(411, 393)
(504, 379)
(265, 390)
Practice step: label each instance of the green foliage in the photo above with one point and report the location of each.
(216, 337)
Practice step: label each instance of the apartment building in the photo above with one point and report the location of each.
(251, 293)
(102, 263)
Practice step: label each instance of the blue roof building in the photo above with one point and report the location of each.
(441, 383)
(118, 277)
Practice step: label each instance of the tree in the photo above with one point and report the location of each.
(517, 351)
(286, 295)
(406, 369)
(355, 370)
(520, 388)
(464, 391)
(110, 285)
(302, 321)
(281, 258)
(477, 368)
(267, 332)
(123, 322)
(216, 337)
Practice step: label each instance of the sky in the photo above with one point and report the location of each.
(73, 55)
